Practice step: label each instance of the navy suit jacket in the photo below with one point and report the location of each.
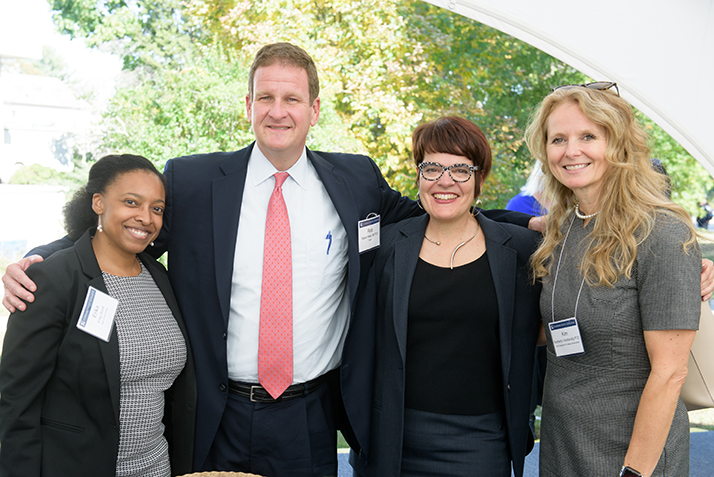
(509, 248)
(203, 203)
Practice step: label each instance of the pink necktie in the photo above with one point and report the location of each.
(275, 347)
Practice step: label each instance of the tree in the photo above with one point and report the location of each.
(385, 67)
(145, 33)
(690, 181)
(174, 112)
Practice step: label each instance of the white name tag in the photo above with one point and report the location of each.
(368, 233)
(566, 337)
(97, 315)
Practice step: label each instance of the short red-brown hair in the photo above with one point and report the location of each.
(453, 135)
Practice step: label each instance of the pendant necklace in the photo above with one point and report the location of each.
(458, 246)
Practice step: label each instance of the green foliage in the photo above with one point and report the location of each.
(388, 66)
(198, 109)
(53, 64)
(690, 181)
(174, 112)
(38, 174)
(361, 51)
(145, 33)
(385, 67)
(490, 78)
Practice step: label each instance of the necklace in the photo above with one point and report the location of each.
(432, 241)
(581, 216)
(458, 246)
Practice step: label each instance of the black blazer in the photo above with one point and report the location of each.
(509, 247)
(59, 386)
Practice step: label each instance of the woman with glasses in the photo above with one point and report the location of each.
(457, 324)
(620, 269)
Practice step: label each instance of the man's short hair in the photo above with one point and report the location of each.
(286, 54)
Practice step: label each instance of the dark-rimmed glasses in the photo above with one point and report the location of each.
(597, 85)
(432, 171)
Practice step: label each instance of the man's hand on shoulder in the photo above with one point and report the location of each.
(707, 279)
(537, 224)
(18, 286)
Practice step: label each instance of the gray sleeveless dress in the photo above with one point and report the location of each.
(590, 400)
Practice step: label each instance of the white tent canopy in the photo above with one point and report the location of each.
(660, 53)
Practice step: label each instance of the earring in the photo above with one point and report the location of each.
(475, 208)
(152, 244)
(99, 224)
(418, 201)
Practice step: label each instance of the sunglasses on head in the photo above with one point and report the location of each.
(597, 85)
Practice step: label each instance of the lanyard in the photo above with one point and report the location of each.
(555, 280)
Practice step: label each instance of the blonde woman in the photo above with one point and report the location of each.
(620, 304)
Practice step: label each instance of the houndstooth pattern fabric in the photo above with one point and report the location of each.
(152, 353)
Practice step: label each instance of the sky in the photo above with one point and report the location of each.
(26, 26)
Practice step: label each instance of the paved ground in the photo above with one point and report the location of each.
(701, 458)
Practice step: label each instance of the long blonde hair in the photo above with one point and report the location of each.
(632, 192)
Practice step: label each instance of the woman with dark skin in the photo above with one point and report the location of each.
(85, 388)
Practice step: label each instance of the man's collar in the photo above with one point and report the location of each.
(261, 169)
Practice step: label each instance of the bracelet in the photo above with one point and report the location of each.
(628, 471)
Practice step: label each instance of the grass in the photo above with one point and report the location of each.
(341, 442)
(701, 420)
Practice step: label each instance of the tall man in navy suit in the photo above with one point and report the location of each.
(214, 225)
(214, 233)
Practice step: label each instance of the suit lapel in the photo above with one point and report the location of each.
(108, 350)
(406, 257)
(110, 355)
(503, 262)
(344, 201)
(227, 199)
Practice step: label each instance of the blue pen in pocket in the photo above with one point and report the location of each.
(329, 237)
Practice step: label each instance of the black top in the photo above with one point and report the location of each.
(453, 363)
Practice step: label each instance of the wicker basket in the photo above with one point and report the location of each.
(220, 474)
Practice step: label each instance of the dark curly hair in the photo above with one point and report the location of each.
(78, 212)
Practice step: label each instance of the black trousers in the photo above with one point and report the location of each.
(293, 438)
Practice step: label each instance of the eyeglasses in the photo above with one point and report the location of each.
(598, 85)
(432, 171)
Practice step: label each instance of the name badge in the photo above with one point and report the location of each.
(97, 317)
(566, 337)
(368, 233)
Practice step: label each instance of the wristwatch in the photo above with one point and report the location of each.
(629, 472)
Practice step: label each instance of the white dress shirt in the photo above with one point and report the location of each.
(319, 254)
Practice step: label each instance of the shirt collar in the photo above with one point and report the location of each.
(260, 168)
